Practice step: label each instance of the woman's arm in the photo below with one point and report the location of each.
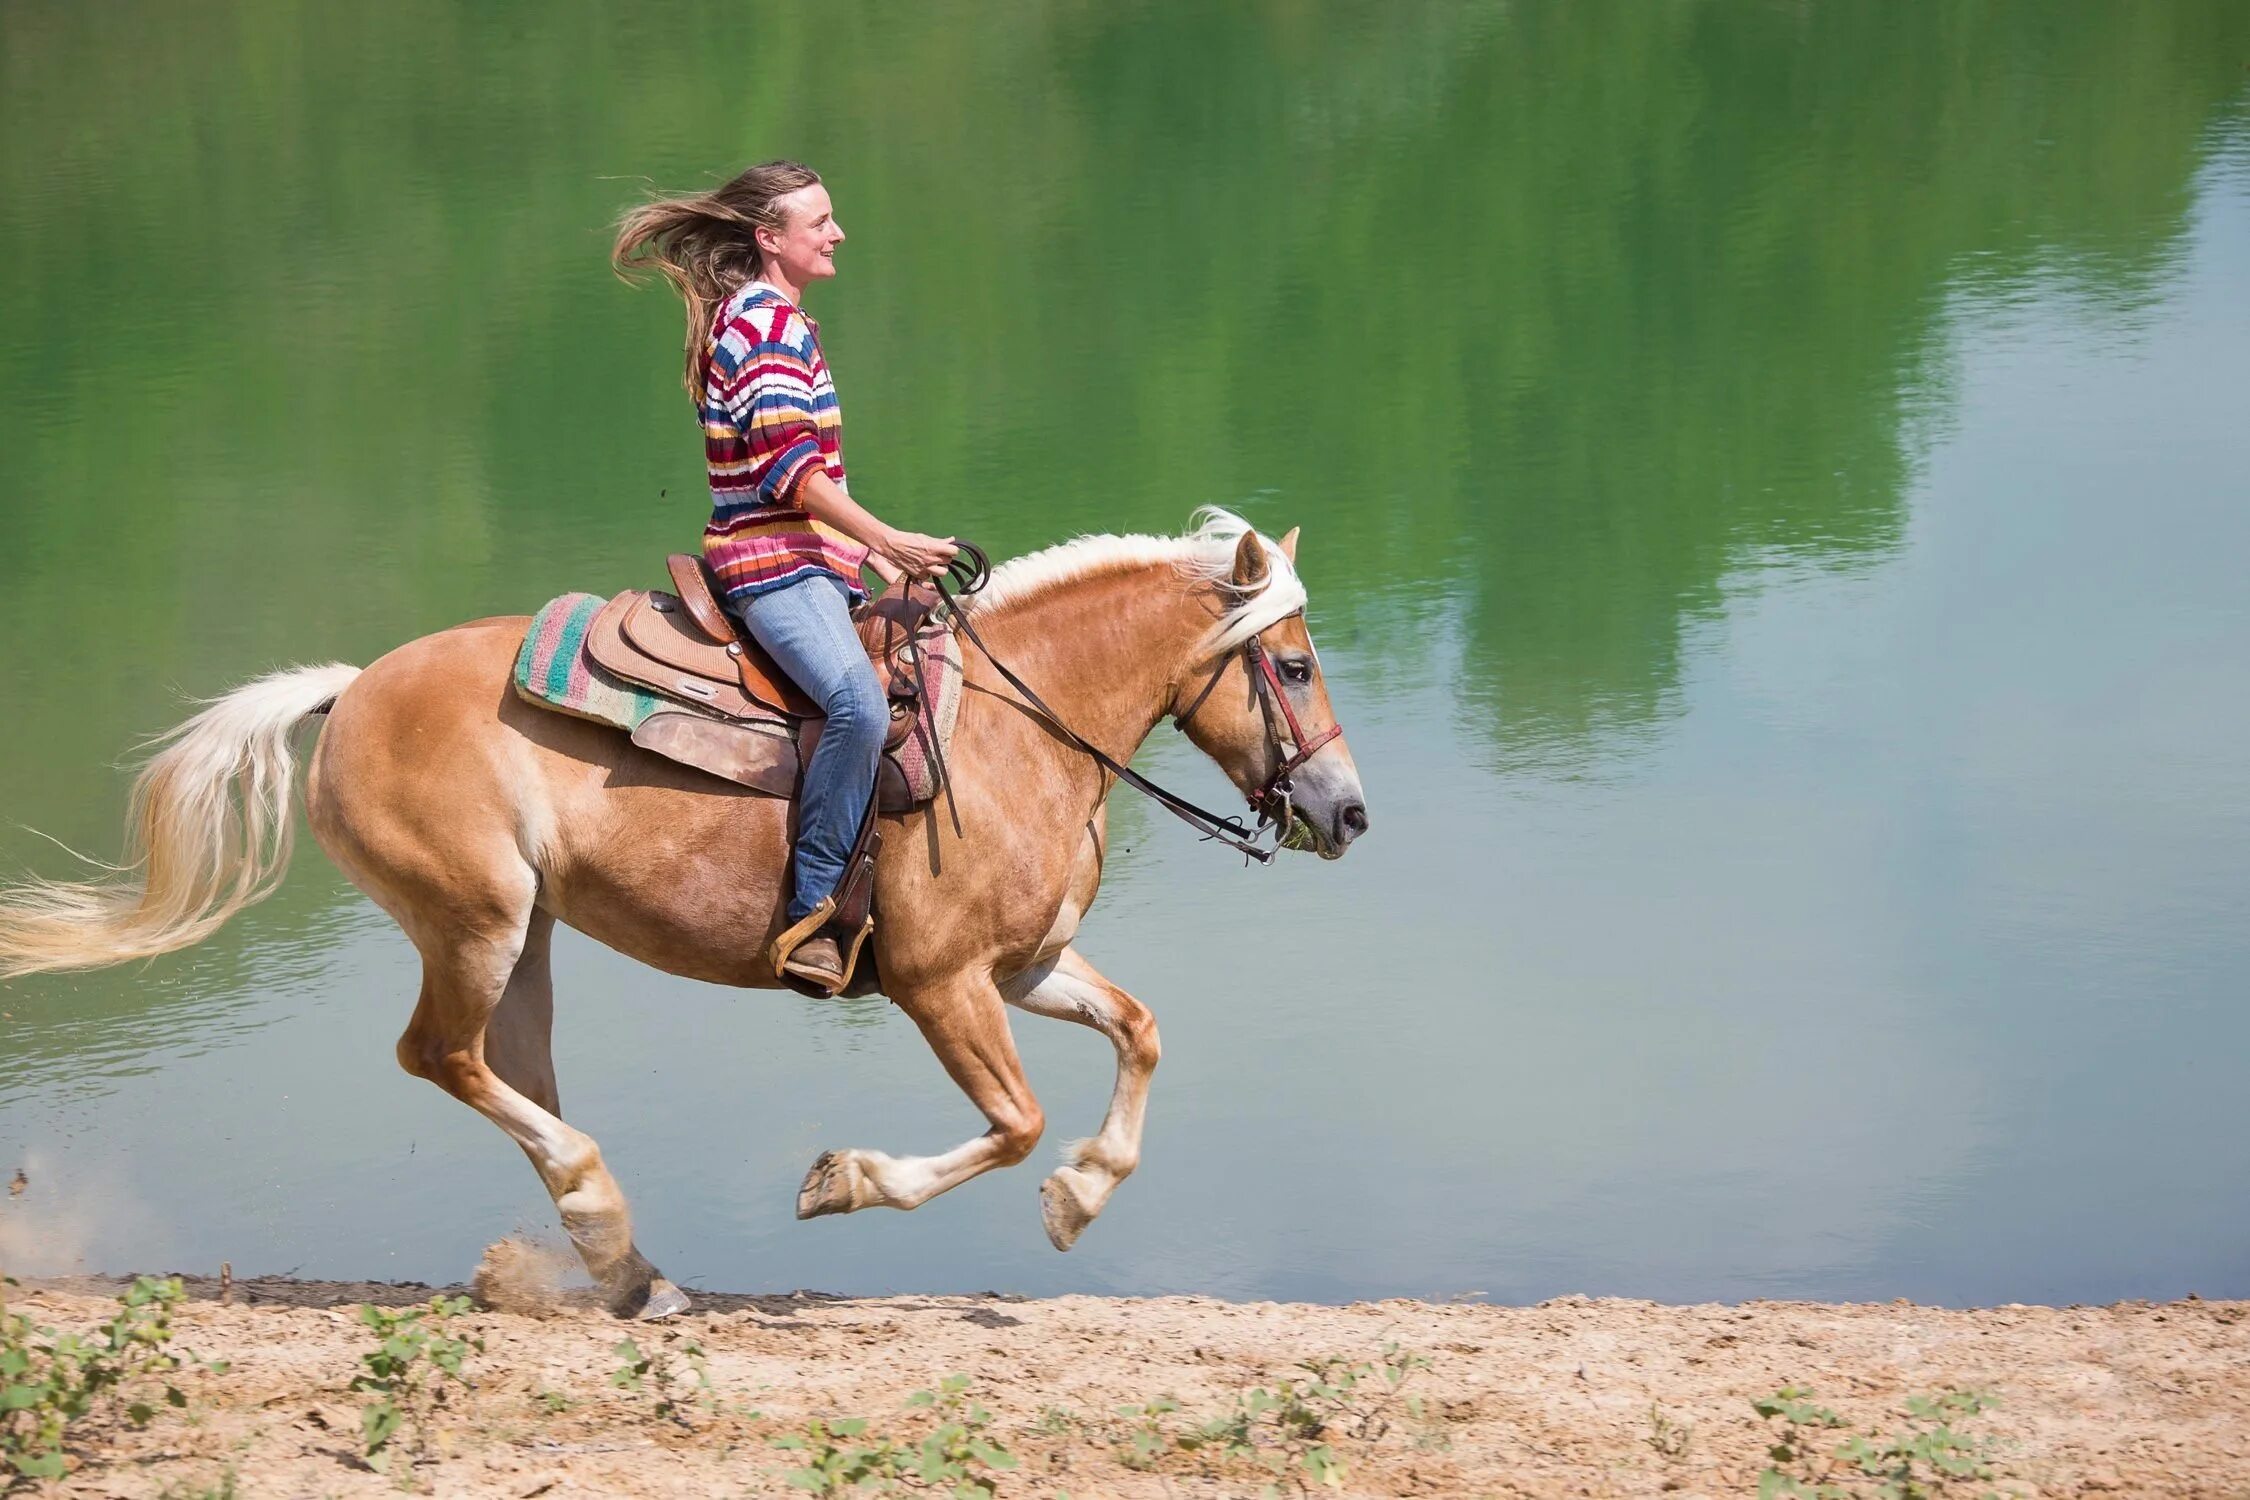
(911, 552)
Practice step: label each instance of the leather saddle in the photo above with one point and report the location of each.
(684, 647)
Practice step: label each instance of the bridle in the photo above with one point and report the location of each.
(969, 571)
(1271, 800)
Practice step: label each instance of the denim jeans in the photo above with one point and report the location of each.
(806, 627)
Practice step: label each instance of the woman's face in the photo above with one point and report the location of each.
(805, 249)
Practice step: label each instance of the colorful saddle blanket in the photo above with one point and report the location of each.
(755, 746)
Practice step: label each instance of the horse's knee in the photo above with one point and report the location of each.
(449, 1067)
(1017, 1131)
(421, 1054)
(1142, 1046)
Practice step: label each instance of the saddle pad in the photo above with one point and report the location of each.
(553, 670)
(921, 755)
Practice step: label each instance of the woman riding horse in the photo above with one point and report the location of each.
(786, 540)
(481, 822)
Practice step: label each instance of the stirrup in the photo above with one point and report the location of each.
(848, 944)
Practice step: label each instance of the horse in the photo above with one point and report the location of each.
(478, 821)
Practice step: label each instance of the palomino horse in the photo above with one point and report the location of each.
(478, 822)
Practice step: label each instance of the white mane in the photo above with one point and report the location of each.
(1204, 555)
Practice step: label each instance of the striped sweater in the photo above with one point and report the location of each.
(769, 419)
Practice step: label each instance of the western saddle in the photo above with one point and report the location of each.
(684, 647)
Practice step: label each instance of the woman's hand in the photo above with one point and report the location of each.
(918, 556)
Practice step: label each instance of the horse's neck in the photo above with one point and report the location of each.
(1105, 652)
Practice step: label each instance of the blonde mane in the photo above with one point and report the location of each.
(1204, 555)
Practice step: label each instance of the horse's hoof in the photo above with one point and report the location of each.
(1060, 1210)
(830, 1187)
(664, 1301)
(644, 1297)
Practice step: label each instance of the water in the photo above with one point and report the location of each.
(1773, 484)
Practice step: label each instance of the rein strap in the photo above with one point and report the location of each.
(969, 572)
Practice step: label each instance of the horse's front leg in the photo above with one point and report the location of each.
(966, 1025)
(1070, 989)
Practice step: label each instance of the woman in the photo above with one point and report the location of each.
(786, 541)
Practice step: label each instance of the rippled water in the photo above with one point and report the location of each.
(1774, 488)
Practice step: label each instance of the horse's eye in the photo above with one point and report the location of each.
(1296, 669)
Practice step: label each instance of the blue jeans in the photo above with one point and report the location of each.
(806, 627)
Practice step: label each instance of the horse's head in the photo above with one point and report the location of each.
(1257, 704)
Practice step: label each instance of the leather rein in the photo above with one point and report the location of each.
(968, 573)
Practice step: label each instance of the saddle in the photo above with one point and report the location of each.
(684, 647)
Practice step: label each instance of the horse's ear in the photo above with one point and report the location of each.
(1289, 545)
(1249, 561)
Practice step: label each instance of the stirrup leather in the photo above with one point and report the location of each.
(848, 943)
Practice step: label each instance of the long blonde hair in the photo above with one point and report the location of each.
(706, 244)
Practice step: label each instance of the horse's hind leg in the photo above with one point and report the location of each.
(966, 1025)
(519, 1041)
(1070, 989)
(479, 1032)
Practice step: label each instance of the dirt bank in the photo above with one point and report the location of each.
(1573, 1397)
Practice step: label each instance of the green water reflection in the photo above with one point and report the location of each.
(1559, 328)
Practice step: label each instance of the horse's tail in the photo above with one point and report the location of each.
(209, 833)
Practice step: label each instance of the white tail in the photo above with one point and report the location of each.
(209, 833)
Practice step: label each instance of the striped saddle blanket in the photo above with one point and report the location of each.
(749, 742)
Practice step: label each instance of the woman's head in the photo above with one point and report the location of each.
(801, 248)
(772, 221)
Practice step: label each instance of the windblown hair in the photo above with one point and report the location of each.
(706, 244)
(1204, 555)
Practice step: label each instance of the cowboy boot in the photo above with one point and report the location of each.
(817, 960)
(808, 952)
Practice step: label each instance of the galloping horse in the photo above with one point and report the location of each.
(479, 821)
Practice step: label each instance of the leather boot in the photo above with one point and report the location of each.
(818, 960)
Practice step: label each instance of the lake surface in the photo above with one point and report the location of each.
(1776, 491)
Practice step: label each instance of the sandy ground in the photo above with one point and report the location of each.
(1573, 1397)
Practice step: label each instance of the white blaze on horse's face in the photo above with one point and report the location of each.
(1240, 726)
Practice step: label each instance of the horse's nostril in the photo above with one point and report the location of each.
(1352, 819)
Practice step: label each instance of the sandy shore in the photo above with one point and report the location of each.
(1573, 1397)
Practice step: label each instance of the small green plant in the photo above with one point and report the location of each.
(50, 1381)
(1667, 1435)
(1291, 1430)
(954, 1449)
(410, 1373)
(1928, 1460)
(1280, 1429)
(1147, 1439)
(833, 1459)
(955, 1457)
(554, 1403)
(658, 1369)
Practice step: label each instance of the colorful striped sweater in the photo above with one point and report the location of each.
(769, 419)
